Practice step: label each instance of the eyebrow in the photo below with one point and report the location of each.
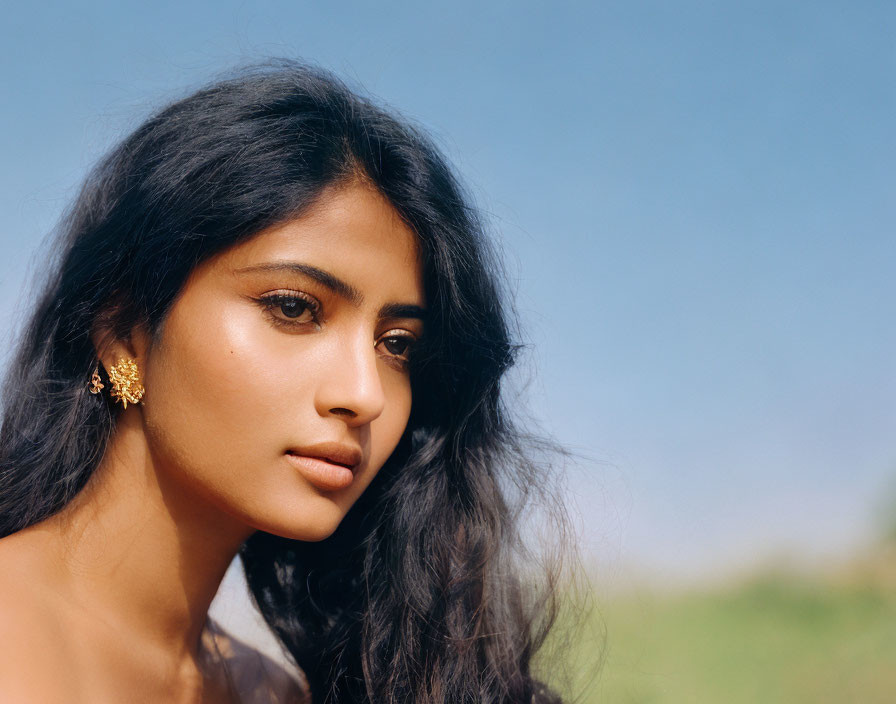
(339, 287)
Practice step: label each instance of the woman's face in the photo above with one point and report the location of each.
(279, 385)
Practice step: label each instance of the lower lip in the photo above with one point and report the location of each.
(324, 475)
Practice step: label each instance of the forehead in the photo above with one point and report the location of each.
(351, 231)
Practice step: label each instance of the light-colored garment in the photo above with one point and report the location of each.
(256, 678)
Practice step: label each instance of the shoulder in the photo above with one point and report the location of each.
(258, 678)
(33, 664)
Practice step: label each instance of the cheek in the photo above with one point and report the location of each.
(211, 386)
(387, 430)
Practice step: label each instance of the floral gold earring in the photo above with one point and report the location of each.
(125, 378)
(96, 384)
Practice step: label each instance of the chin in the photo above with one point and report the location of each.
(315, 535)
(310, 530)
(305, 534)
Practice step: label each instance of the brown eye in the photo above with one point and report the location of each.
(397, 345)
(291, 308)
(295, 308)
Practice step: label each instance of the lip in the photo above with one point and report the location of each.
(348, 456)
(329, 465)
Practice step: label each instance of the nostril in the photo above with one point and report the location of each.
(343, 412)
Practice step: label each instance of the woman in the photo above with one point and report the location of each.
(271, 331)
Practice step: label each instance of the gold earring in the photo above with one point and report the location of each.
(96, 384)
(125, 378)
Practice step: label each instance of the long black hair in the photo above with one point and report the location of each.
(416, 597)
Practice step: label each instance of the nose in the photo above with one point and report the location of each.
(351, 387)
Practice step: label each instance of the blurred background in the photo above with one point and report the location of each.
(694, 204)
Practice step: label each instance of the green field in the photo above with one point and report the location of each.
(772, 639)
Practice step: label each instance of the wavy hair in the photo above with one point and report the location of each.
(418, 596)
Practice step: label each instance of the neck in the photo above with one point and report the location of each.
(137, 550)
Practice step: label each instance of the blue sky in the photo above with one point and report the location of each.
(694, 201)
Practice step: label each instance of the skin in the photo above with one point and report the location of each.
(107, 600)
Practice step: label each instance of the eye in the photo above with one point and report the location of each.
(291, 308)
(397, 345)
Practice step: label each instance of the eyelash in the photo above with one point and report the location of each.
(270, 302)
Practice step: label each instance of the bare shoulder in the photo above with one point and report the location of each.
(258, 678)
(33, 666)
